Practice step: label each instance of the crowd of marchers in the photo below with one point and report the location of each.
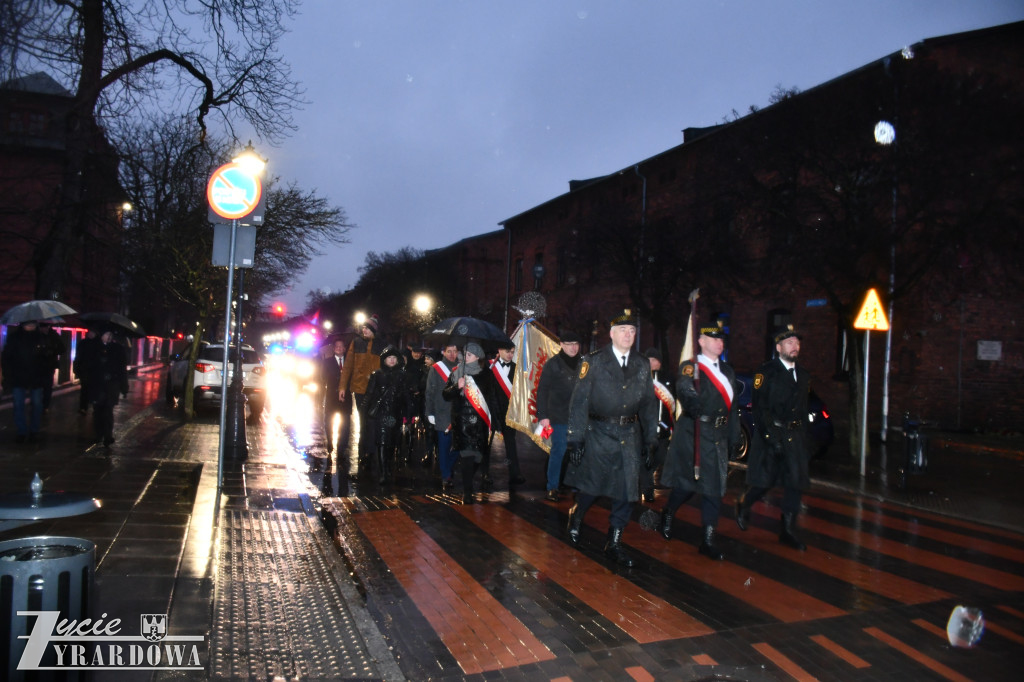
(619, 423)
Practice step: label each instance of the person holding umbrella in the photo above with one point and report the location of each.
(108, 379)
(25, 373)
(473, 392)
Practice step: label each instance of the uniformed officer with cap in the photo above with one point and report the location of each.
(707, 431)
(613, 426)
(778, 450)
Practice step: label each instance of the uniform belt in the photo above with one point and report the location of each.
(621, 421)
(717, 422)
(788, 425)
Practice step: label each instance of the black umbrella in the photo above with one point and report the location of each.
(113, 322)
(462, 330)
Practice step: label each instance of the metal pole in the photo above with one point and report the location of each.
(864, 408)
(224, 364)
(888, 332)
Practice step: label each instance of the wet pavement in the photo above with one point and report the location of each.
(300, 570)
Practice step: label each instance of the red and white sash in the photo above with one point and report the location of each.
(665, 396)
(717, 379)
(443, 370)
(503, 381)
(476, 398)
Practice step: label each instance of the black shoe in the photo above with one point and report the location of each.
(517, 480)
(648, 496)
(552, 496)
(575, 525)
(108, 441)
(742, 513)
(665, 525)
(467, 499)
(486, 480)
(787, 535)
(707, 548)
(447, 484)
(613, 548)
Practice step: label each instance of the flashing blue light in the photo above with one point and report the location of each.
(276, 349)
(304, 341)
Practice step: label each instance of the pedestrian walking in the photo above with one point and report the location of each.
(612, 433)
(778, 450)
(504, 370)
(439, 411)
(664, 390)
(361, 359)
(472, 391)
(109, 373)
(558, 378)
(85, 353)
(334, 404)
(386, 404)
(25, 371)
(707, 431)
(54, 351)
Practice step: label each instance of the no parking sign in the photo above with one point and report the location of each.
(235, 194)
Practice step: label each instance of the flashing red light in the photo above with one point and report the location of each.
(279, 309)
(824, 413)
(179, 336)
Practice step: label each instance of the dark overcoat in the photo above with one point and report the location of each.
(611, 457)
(702, 399)
(469, 431)
(778, 448)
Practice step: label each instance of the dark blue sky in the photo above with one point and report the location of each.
(430, 121)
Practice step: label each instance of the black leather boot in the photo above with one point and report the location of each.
(575, 525)
(665, 525)
(787, 535)
(708, 548)
(468, 467)
(742, 512)
(613, 548)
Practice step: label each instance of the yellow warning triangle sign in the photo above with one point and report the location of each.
(871, 316)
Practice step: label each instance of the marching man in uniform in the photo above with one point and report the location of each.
(613, 426)
(707, 431)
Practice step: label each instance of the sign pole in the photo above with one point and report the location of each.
(224, 364)
(864, 408)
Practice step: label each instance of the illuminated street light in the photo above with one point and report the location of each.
(422, 304)
(328, 325)
(360, 318)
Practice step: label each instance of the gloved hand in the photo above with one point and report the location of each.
(575, 453)
(430, 418)
(647, 454)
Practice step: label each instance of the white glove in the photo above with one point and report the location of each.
(430, 418)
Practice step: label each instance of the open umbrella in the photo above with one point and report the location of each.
(461, 330)
(115, 322)
(32, 311)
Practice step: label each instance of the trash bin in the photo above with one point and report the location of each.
(41, 574)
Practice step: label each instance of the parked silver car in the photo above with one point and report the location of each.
(207, 375)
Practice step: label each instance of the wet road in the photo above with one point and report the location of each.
(494, 589)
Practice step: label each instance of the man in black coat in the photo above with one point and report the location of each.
(109, 372)
(613, 426)
(330, 380)
(707, 390)
(504, 371)
(778, 450)
(25, 373)
(558, 378)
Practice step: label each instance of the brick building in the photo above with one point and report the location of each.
(789, 215)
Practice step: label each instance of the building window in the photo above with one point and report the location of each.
(517, 274)
(538, 271)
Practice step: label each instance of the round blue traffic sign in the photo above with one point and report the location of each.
(232, 192)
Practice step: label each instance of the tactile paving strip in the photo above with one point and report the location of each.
(278, 614)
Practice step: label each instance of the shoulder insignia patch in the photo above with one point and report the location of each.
(688, 370)
(758, 381)
(584, 368)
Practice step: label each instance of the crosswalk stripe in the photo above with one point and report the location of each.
(784, 662)
(907, 650)
(643, 616)
(915, 555)
(840, 651)
(921, 530)
(770, 596)
(478, 631)
(862, 577)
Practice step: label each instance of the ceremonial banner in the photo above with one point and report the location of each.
(535, 345)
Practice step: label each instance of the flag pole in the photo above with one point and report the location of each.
(692, 333)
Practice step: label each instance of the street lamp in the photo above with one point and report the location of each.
(422, 304)
(360, 318)
(885, 135)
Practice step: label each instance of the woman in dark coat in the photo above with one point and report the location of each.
(473, 392)
(386, 403)
(108, 375)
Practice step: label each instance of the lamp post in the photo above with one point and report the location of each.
(235, 195)
(885, 135)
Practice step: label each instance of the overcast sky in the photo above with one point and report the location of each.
(431, 121)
